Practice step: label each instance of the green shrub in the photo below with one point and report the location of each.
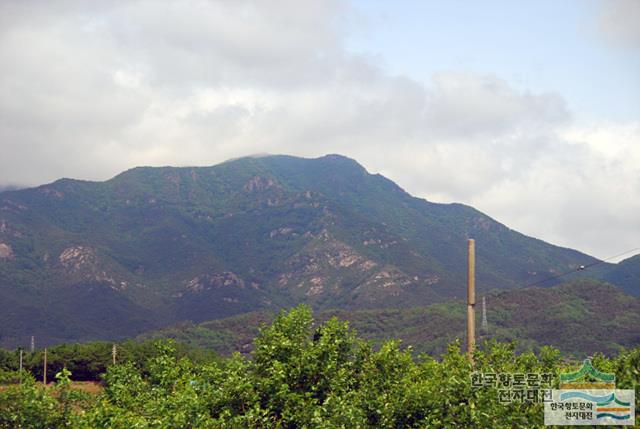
(300, 375)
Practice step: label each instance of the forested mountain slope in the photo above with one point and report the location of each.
(152, 246)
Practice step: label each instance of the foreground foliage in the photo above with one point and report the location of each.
(299, 375)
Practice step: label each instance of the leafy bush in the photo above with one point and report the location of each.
(301, 375)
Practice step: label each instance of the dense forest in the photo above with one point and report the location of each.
(579, 318)
(153, 247)
(299, 374)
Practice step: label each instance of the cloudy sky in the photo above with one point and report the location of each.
(529, 111)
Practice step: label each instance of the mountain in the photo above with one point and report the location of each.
(152, 246)
(626, 275)
(4, 188)
(580, 318)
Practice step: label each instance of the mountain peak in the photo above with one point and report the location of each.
(288, 229)
(336, 157)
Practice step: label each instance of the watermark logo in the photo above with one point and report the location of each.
(516, 387)
(603, 380)
(590, 397)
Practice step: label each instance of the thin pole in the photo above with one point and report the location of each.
(114, 352)
(471, 300)
(485, 324)
(44, 376)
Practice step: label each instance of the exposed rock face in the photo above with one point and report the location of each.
(259, 183)
(50, 192)
(320, 267)
(6, 229)
(281, 231)
(82, 263)
(12, 206)
(482, 223)
(390, 278)
(385, 283)
(225, 279)
(431, 279)
(317, 286)
(77, 258)
(332, 256)
(6, 252)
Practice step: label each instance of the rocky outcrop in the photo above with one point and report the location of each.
(335, 254)
(6, 229)
(387, 282)
(12, 206)
(6, 252)
(225, 279)
(322, 265)
(82, 263)
(50, 192)
(284, 231)
(78, 258)
(259, 183)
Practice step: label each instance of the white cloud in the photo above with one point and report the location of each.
(584, 193)
(90, 89)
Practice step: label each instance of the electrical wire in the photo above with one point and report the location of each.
(582, 267)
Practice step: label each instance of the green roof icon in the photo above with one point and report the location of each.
(587, 369)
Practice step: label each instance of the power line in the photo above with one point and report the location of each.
(620, 254)
(485, 325)
(582, 267)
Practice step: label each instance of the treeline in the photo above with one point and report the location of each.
(89, 361)
(301, 375)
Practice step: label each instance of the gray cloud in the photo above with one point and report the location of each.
(618, 22)
(90, 89)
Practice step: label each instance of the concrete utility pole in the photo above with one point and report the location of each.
(471, 300)
(114, 352)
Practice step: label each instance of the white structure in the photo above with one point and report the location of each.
(485, 325)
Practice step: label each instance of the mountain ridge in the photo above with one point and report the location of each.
(196, 243)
